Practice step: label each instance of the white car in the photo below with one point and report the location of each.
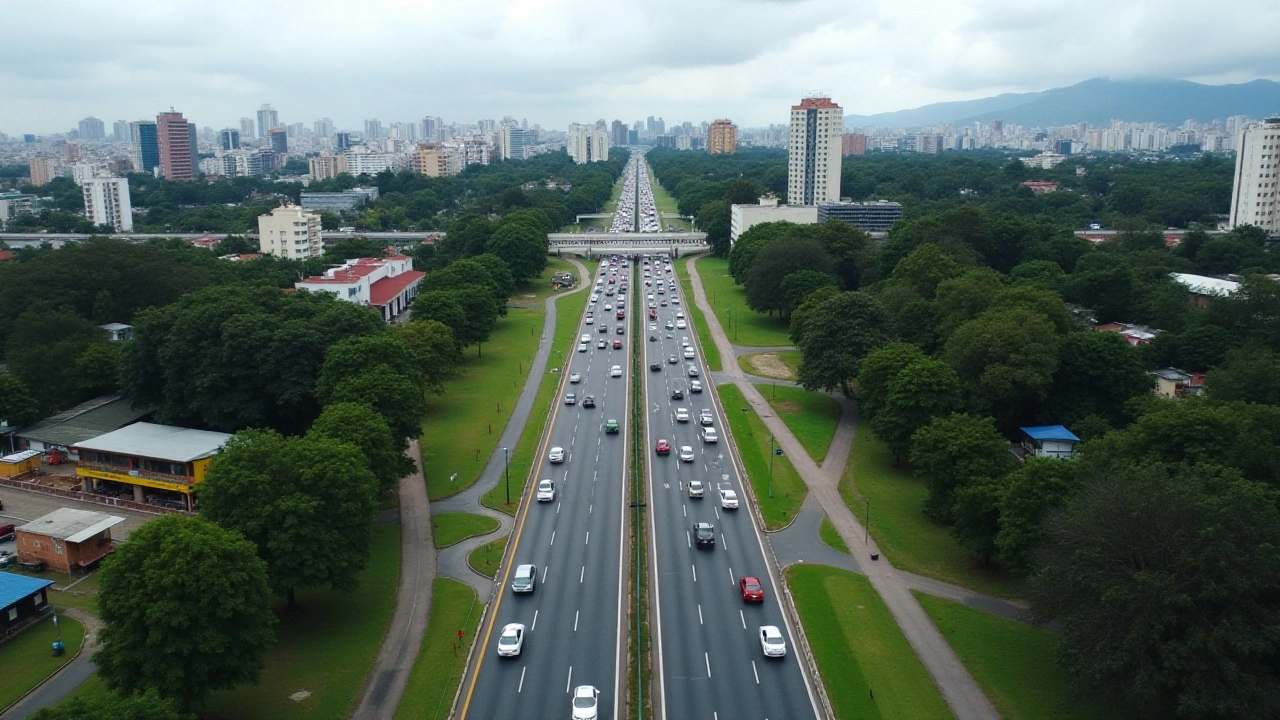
(771, 641)
(575, 378)
(696, 489)
(511, 641)
(686, 454)
(615, 371)
(682, 415)
(608, 306)
(695, 386)
(590, 320)
(681, 325)
(586, 337)
(688, 353)
(706, 418)
(585, 700)
(693, 371)
(709, 435)
(525, 579)
(728, 499)
(570, 399)
(602, 345)
(582, 347)
(546, 490)
(556, 455)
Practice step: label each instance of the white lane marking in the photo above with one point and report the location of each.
(700, 614)
(557, 507)
(724, 544)
(582, 574)
(553, 537)
(569, 680)
(588, 542)
(730, 576)
(687, 540)
(684, 509)
(753, 671)
(534, 626)
(544, 573)
(740, 617)
(520, 687)
(571, 460)
(591, 508)
(575, 621)
(695, 572)
(717, 511)
(707, 658)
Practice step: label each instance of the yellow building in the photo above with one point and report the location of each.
(722, 138)
(434, 160)
(147, 463)
(326, 166)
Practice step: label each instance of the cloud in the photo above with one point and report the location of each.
(558, 61)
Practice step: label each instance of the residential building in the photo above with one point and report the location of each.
(369, 163)
(120, 131)
(175, 139)
(587, 143)
(106, 202)
(389, 283)
(1201, 289)
(246, 128)
(1051, 441)
(853, 144)
(323, 128)
(67, 540)
(13, 204)
(23, 600)
(1133, 334)
(373, 129)
(743, 217)
(42, 170)
(618, 133)
(92, 129)
(1173, 383)
(1040, 187)
(1044, 160)
(118, 332)
(875, 216)
(290, 232)
(229, 139)
(145, 146)
(512, 142)
(326, 166)
(814, 145)
(82, 171)
(339, 201)
(1255, 194)
(434, 160)
(722, 138)
(279, 140)
(148, 463)
(267, 118)
(70, 153)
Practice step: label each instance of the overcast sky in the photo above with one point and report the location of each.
(560, 61)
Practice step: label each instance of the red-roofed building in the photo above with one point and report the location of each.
(6, 255)
(389, 283)
(208, 242)
(1041, 188)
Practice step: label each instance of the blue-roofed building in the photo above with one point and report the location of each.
(21, 598)
(1054, 441)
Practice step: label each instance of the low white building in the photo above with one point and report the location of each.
(744, 217)
(389, 284)
(290, 232)
(106, 202)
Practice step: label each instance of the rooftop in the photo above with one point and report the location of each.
(71, 524)
(164, 442)
(15, 587)
(85, 421)
(387, 289)
(1202, 285)
(1050, 432)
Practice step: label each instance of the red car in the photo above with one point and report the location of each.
(653, 314)
(617, 344)
(621, 315)
(752, 590)
(663, 448)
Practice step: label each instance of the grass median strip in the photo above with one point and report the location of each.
(27, 658)
(711, 354)
(812, 417)
(778, 488)
(867, 666)
(452, 528)
(1013, 662)
(441, 661)
(487, 558)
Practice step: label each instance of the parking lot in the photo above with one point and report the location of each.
(22, 507)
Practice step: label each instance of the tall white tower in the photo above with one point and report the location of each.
(106, 202)
(813, 166)
(1254, 198)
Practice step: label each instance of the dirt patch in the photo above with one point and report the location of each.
(787, 407)
(769, 365)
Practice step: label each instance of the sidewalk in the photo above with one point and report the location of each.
(958, 687)
(69, 677)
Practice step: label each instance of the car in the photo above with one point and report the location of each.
(704, 534)
(695, 386)
(575, 378)
(615, 371)
(697, 489)
(602, 345)
(617, 344)
(525, 579)
(709, 435)
(672, 359)
(677, 394)
(602, 329)
(681, 325)
(684, 341)
(752, 590)
(682, 415)
(570, 399)
(653, 306)
(655, 366)
(511, 641)
(675, 300)
(608, 306)
(653, 314)
(706, 417)
(590, 320)
(771, 642)
(663, 447)
(546, 490)
(611, 426)
(728, 499)
(555, 455)
(688, 353)
(686, 454)
(663, 303)
(693, 371)
(589, 401)
(622, 330)
(582, 347)
(621, 315)
(670, 326)
(586, 337)
(585, 701)
(7, 558)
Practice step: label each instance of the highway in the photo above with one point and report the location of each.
(709, 660)
(574, 618)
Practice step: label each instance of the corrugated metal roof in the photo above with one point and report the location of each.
(163, 442)
(85, 421)
(15, 587)
(71, 524)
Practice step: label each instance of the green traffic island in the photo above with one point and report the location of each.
(449, 529)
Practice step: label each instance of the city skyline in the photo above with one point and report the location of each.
(746, 60)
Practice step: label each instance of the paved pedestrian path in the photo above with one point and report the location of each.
(69, 677)
(957, 686)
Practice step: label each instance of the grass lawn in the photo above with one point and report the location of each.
(326, 648)
(867, 666)
(28, 659)
(568, 318)
(753, 444)
(906, 537)
(767, 365)
(790, 358)
(727, 299)
(452, 528)
(463, 425)
(438, 669)
(711, 354)
(486, 558)
(83, 596)
(1013, 662)
(828, 533)
(812, 417)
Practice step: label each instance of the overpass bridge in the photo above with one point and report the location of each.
(593, 244)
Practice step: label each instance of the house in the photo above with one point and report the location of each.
(22, 598)
(1133, 334)
(1174, 383)
(147, 463)
(1053, 441)
(67, 540)
(389, 283)
(1201, 288)
(1041, 188)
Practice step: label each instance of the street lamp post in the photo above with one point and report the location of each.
(770, 464)
(506, 462)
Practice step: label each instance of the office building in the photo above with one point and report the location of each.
(587, 143)
(429, 129)
(42, 170)
(512, 142)
(228, 139)
(247, 128)
(813, 163)
(120, 131)
(175, 138)
(279, 140)
(92, 130)
(1254, 199)
(722, 138)
(146, 146)
(373, 129)
(876, 216)
(744, 217)
(290, 232)
(267, 118)
(106, 202)
(618, 133)
(352, 199)
(342, 141)
(853, 144)
(326, 166)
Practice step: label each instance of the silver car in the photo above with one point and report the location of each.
(525, 580)
(546, 490)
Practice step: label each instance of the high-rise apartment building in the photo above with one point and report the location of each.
(373, 129)
(247, 128)
(42, 170)
(106, 202)
(853, 144)
(280, 140)
(722, 137)
(618, 133)
(229, 139)
(512, 141)
(120, 131)
(1254, 198)
(587, 143)
(326, 166)
(434, 160)
(342, 141)
(324, 128)
(145, 146)
(175, 138)
(290, 232)
(267, 118)
(813, 163)
(92, 129)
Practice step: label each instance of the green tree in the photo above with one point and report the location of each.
(350, 248)
(1046, 302)
(1098, 372)
(799, 285)
(1250, 374)
(743, 255)
(1252, 313)
(306, 502)
(17, 406)
(434, 351)
(500, 277)
(800, 316)
(850, 250)
(924, 269)
(97, 369)
(1039, 487)
(353, 356)
(965, 297)
(1163, 581)
(443, 307)
(110, 706)
(853, 324)
(393, 395)
(186, 610)
(522, 246)
(775, 262)
(975, 515)
(877, 372)
(44, 344)
(361, 427)
(1006, 358)
(953, 452)
(468, 236)
(925, 389)
(713, 218)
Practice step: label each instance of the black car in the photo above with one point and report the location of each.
(704, 534)
(589, 401)
(655, 366)
(622, 330)
(677, 394)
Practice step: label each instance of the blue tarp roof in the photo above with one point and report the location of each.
(14, 587)
(1050, 432)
